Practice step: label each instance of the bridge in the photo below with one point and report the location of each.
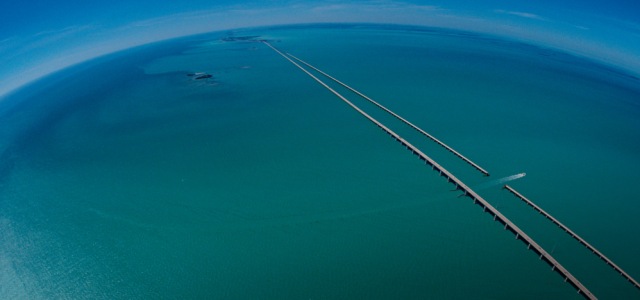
(456, 153)
(574, 235)
(477, 199)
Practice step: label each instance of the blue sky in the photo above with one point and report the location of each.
(41, 36)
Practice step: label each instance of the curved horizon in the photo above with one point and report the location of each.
(31, 53)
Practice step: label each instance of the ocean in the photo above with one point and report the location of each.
(124, 177)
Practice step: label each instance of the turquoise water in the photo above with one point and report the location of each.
(125, 178)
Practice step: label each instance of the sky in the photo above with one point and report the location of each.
(39, 37)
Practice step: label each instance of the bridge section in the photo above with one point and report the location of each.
(574, 235)
(456, 153)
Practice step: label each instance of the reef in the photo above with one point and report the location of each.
(240, 38)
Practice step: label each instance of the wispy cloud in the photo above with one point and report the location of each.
(70, 30)
(40, 44)
(521, 14)
(381, 5)
(46, 38)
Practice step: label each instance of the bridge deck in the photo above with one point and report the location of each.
(575, 236)
(456, 153)
(531, 244)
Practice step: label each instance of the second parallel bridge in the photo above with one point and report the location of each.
(575, 236)
(531, 244)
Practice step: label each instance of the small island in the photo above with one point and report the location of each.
(200, 75)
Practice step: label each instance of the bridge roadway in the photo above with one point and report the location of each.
(456, 153)
(574, 235)
(508, 225)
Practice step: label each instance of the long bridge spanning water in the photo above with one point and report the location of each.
(456, 153)
(574, 235)
(477, 199)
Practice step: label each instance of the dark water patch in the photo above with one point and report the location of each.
(32, 114)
